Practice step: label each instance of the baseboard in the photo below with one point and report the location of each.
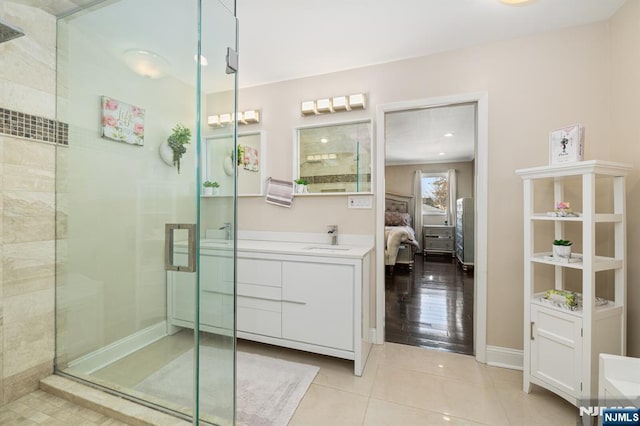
(373, 336)
(505, 357)
(102, 357)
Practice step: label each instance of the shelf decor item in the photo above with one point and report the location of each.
(210, 187)
(566, 145)
(562, 249)
(301, 186)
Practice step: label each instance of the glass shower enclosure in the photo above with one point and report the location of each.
(136, 80)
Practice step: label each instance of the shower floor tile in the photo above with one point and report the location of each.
(41, 408)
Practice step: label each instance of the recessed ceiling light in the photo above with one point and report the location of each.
(324, 140)
(203, 60)
(442, 153)
(448, 135)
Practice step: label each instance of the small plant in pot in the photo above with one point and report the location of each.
(562, 249)
(210, 187)
(301, 186)
(180, 137)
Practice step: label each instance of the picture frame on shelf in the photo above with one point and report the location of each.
(566, 145)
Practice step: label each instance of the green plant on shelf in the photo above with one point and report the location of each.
(562, 243)
(210, 184)
(302, 181)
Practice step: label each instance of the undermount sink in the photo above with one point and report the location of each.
(330, 248)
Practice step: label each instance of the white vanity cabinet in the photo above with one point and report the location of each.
(316, 302)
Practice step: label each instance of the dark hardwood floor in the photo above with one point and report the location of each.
(431, 305)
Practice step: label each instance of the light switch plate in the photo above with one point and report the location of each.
(360, 201)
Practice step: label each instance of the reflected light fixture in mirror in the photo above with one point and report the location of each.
(244, 117)
(203, 60)
(145, 63)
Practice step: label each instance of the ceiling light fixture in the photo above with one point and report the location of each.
(324, 140)
(448, 135)
(516, 2)
(442, 153)
(145, 63)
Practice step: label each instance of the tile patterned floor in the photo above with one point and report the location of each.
(41, 408)
(401, 385)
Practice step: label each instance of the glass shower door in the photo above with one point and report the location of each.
(145, 265)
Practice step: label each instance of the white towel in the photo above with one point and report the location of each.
(280, 192)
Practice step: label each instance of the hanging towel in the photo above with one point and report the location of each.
(280, 192)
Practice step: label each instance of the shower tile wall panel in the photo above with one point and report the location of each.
(27, 201)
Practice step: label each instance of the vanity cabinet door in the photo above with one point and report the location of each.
(317, 304)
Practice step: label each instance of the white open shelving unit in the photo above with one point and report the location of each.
(561, 346)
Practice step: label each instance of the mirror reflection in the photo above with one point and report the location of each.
(218, 164)
(335, 158)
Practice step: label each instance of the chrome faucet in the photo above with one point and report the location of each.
(333, 231)
(227, 230)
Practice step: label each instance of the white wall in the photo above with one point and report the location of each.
(624, 139)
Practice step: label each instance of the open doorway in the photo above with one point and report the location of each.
(440, 299)
(430, 160)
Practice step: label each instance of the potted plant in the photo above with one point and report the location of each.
(562, 249)
(301, 186)
(210, 187)
(180, 137)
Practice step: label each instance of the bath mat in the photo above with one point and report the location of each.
(268, 389)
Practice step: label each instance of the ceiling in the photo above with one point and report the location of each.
(443, 134)
(287, 39)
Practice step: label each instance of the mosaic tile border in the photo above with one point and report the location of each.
(22, 125)
(349, 178)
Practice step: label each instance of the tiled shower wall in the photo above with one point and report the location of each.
(27, 201)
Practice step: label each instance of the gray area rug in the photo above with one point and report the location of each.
(268, 389)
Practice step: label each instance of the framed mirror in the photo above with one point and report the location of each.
(219, 158)
(334, 158)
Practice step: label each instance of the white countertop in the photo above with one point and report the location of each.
(286, 247)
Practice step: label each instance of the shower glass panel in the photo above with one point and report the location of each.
(145, 268)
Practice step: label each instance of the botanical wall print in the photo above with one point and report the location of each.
(122, 122)
(248, 158)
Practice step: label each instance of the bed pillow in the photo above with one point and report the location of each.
(397, 219)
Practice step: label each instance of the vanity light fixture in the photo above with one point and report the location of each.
(334, 104)
(244, 117)
(340, 103)
(308, 107)
(324, 105)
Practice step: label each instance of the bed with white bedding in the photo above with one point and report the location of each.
(399, 235)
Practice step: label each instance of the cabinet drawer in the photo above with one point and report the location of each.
(260, 272)
(260, 291)
(438, 232)
(258, 321)
(438, 244)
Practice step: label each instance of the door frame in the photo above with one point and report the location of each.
(480, 218)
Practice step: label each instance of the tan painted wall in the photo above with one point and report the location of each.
(534, 84)
(625, 142)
